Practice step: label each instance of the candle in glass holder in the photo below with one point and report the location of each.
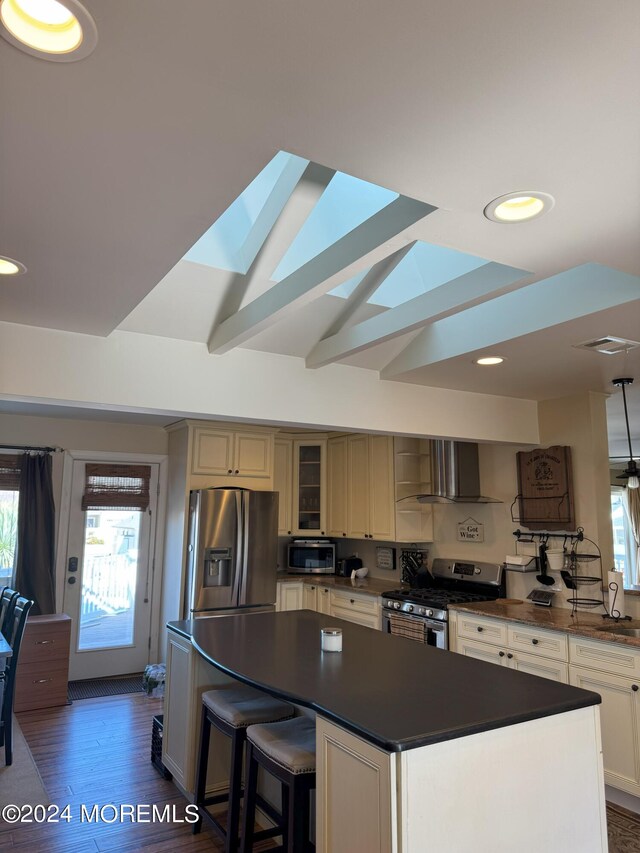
(331, 639)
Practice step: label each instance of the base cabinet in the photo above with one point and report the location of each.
(369, 800)
(503, 643)
(188, 677)
(342, 604)
(289, 596)
(620, 721)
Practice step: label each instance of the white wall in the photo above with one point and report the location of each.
(142, 372)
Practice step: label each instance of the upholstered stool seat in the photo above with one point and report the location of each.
(287, 750)
(242, 706)
(232, 709)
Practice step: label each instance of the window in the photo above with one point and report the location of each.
(9, 493)
(623, 545)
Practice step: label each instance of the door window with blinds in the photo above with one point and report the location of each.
(9, 493)
(114, 502)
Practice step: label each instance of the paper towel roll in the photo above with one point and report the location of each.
(616, 593)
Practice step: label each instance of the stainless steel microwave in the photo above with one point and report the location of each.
(311, 556)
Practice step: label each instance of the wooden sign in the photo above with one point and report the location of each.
(545, 489)
(470, 530)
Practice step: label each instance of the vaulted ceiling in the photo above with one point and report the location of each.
(113, 168)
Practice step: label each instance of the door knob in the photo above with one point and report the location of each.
(71, 580)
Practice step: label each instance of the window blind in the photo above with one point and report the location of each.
(9, 472)
(109, 486)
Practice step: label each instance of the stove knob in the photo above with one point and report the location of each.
(396, 605)
(421, 611)
(389, 603)
(409, 608)
(477, 570)
(429, 613)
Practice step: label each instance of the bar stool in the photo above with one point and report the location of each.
(287, 750)
(231, 710)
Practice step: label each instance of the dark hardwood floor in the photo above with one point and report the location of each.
(97, 751)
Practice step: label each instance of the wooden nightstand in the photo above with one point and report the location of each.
(43, 668)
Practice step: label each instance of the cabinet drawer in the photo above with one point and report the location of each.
(555, 670)
(482, 651)
(369, 620)
(41, 687)
(367, 604)
(45, 643)
(611, 657)
(549, 644)
(486, 630)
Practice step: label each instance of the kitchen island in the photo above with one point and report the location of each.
(419, 749)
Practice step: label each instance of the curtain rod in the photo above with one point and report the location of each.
(29, 447)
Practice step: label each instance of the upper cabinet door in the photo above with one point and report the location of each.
(358, 486)
(253, 454)
(381, 488)
(337, 522)
(223, 453)
(213, 451)
(282, 483)
(309, 486)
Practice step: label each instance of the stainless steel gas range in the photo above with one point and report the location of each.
(420, 613)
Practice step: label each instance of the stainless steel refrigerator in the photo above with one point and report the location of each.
(232, 552)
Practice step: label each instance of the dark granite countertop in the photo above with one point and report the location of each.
(393, 692)
(580, 624)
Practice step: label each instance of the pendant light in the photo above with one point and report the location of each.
(630, 473)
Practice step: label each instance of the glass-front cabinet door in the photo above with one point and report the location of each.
(309, 486)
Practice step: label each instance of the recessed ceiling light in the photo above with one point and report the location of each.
(60, 31)
(518, 207)
(489, 359)
(10, 267)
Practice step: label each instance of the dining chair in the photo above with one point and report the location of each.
(8, 599)
(13, 635)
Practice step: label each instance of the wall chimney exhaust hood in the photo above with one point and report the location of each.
(455, 475)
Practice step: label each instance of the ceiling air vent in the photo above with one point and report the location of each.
(608, 345)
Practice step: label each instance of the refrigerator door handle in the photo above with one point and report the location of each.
(240, 557)
(244, 557)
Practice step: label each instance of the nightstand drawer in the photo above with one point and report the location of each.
(43, 642)
(38, 687)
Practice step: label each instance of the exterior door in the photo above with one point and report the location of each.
(108, 583)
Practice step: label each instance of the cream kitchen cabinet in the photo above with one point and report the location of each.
(309, 486)
(361, 609)
(323, 603)
(232, 453)
(283, 484)
(337, 479)
(361, 487)
(309, 596)
(538, 652)
(289, 596)
(188, 677)
(611, 674)
(300, 479)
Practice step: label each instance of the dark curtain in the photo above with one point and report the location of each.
(35, 559)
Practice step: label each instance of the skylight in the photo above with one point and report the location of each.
(346, 203)
(234, 240)
(424, 268)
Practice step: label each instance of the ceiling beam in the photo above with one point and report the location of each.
(561, 298)
(448, 298)
(367, 287)
(360, 248)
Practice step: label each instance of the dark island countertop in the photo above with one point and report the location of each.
(393, 692)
